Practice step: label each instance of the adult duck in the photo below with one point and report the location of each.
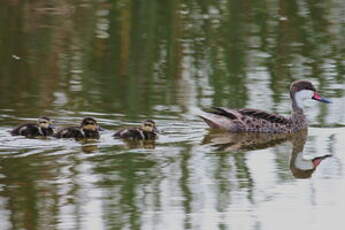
(255, 120)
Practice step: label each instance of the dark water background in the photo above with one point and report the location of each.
(125, 61)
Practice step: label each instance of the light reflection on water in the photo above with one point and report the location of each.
(181, 181)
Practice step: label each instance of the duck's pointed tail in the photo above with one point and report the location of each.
(222, 118)
(210, 121)
(213, 121)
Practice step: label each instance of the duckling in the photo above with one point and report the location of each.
(42, 128)
(147, 131)
(87, 129)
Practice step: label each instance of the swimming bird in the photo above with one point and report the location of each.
(88, 129)
(255, 120)
(147, 131)
(43, 128)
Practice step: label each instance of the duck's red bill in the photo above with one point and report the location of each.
(317, 97)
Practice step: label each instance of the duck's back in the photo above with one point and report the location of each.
(135, 134)
(69, 132)
(28, 130)
(76, 132)
(31, 130)
(248, 120)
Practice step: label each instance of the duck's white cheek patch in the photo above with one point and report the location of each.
(302, 96)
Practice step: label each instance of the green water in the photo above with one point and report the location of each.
(125, 61)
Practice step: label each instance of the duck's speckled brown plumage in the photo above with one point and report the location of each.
(88, 129)
(255, 120)
(147, 131)
(42, 128)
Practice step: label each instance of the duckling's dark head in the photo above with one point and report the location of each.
(149, 126)
(89, 123)
(45, 122)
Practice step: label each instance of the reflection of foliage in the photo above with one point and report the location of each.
(124, 175)
(129, 57)
(43, 37)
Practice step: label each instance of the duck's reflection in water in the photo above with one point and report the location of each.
(233, 142)
(300, 165)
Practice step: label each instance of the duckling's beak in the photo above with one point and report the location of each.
(317, 97)
(51, 126)
(100, 128)
(155, 130)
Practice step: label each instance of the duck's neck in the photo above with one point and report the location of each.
(297, 116)
(296, 108)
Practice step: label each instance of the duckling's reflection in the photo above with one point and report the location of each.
(134, 144)
(233, 142)
(89, 148)
(88, 145)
